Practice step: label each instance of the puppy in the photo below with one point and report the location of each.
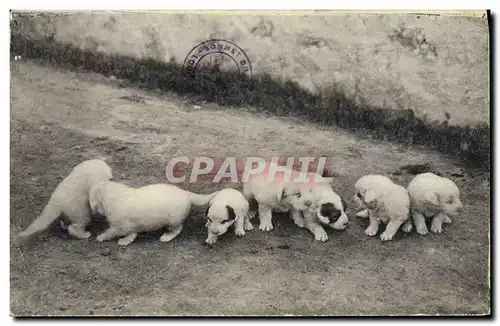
(433, 196)
(279, 195)
(228, 207)
(327, 209)
(71, 199)
(298, 197)
(365, 183)
(133, 210)
(385, 202)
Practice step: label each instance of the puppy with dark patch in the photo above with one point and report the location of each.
(327, 209)
(229, 207)
(308, 197)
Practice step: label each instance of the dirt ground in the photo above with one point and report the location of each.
(59, 119)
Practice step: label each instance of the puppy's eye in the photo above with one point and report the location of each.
(225, 221)
(298, 195)
(359, 195)
(209, 219)
(450, 201)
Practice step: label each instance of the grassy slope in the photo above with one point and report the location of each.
(61, 118)
(351, 52)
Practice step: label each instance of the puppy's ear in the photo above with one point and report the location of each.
(230, 213)
(358, 194)
(432, 198)
(344, 204)
(371, 199)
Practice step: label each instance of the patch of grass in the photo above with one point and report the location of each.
(277, 96)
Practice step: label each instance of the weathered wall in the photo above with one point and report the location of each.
(434, 65)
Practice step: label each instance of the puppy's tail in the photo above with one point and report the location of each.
(49, 214)
(201, 200)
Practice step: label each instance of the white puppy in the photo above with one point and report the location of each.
(71, 199)
(433, 196)
(133, 210)
(385, 202)
(275, 195)
(310, 203)
(228, 207)
(370, 181)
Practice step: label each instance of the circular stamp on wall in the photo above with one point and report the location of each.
(218, 55)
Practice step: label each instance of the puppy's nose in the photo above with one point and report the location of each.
(308, 203)
(333, 219)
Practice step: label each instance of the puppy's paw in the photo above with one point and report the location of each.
(447, 220)
(340, 227)
(371, 231)
(321, 235)
(300, 224)
(248, 226)
(211, 239)
(436, 228)
(266, 227)
(85, 235)
(100, 238)
(239, 232)
(407, 227)
(422, 230)
(124, 242)
(386, 236)
(363, 214)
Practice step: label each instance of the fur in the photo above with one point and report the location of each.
(433, 197)
(71, 199)
(370, 181)
(229, 207)
(383, 201)
(310, 204)
(133, 210)
(328, 209)
(269, 195)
